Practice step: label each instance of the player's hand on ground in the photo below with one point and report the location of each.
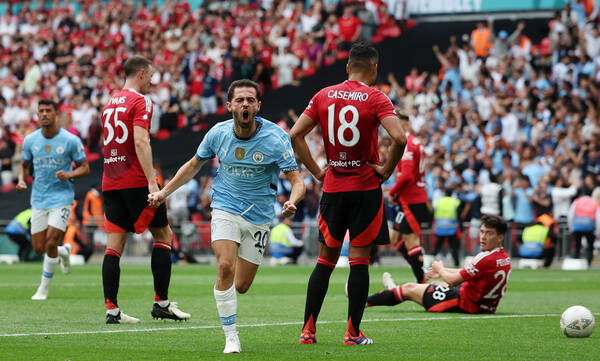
(289, 208)
(62, 175)
(21, 186)
(155, 199)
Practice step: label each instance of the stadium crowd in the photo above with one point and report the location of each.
(72, 51)
(501, 110)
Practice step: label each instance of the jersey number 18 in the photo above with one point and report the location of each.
(343, 125)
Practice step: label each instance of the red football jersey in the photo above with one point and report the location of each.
(410, 179)
(349, 114)
(123, 110)
(485, 281)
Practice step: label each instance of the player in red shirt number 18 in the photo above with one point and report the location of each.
(349, 115)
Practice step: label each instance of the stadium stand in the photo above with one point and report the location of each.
(521, 106)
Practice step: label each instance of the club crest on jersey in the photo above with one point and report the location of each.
(342, 155)
(258, 157)
(60, 150)
(113, 152)
(240, 153)
(48, 148)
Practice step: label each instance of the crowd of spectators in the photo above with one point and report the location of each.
(499, 110)
(72, 51)
(504, 110)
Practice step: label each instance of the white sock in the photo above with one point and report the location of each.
(113, 311)
(62, 251)
(227, 308)
(48, 269)
(164, 303)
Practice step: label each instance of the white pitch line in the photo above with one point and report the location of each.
(442, 318)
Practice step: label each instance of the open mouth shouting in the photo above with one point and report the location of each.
(245, 116)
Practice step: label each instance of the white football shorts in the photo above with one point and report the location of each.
(252, 238)
(54, 217)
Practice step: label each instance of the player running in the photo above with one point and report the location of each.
(128, 178)
(477, 288)
(252, 151)
(349, 114)
(51, 150)
(409, 192)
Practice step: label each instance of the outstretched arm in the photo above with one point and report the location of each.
(449, 275)
(183, 175)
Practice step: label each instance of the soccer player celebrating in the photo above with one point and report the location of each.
(127, 180)
(349, 114)
(252, 151)
(477, 288)
(409, 191)
(52, 150)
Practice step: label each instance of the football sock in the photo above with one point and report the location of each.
(111, 272)
(415, 259)
(164, 303)
(402, 249)
(62, 251)
(317, 289)
(48, 269)
(358, 290)
(227, 308)
(386, 297)
(161, 270)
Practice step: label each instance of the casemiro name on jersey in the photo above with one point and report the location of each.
(346, 95)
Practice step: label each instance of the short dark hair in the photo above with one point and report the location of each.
(243, 83)
(495, 222)
(134, 64)
(48, 102)
(362, 55)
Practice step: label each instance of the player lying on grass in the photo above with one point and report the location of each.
(477, 288)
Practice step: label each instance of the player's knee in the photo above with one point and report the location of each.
(409, 289)
(51, 244)
(39, 248)
(242, 287)
(225, 268)
(163, 235)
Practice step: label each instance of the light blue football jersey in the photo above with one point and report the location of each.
(49, 155)
(246, 180)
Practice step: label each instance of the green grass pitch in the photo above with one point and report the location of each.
(70, 324)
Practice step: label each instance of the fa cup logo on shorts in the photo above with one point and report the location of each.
(240, 153)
